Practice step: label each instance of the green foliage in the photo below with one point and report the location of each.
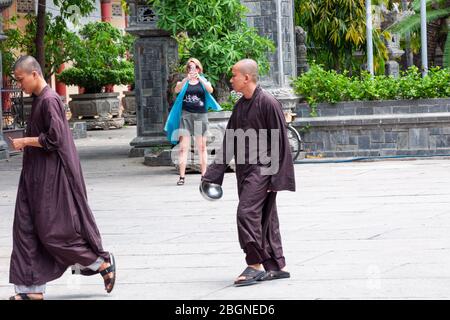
(69, 8)
(336, 30)
(60, 43)
(94, 79)
(100, 58)
(227, 106)
(214, 32)
(231, 101)
(8, 48)
(436, 10)
(319, 85)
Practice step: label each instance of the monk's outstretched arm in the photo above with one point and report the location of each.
(216, 171)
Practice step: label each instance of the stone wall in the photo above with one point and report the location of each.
(377, 128)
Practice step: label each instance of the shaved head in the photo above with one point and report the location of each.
(28, 64)
(28, 75)
(248, 66)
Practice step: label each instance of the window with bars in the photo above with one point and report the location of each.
(26, 6)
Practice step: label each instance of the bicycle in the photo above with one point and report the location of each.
(295, 140)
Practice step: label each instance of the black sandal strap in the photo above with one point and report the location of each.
(111, 268)
(107, 270)
(250, 272)
(22, 296)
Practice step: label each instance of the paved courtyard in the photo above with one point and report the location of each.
(358, 230)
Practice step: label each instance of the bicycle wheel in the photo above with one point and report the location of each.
(295, 141)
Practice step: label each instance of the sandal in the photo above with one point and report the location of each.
(275, 274)
(251, 277)
(111, 269)
(180, 181)
(23, 296)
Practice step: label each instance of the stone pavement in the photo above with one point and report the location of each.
(359, 230)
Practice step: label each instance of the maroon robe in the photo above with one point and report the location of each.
(257, 217)
(53, 225)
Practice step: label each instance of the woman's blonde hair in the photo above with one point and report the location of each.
(196, 62)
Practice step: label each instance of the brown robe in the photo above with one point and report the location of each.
(54, 227)
(257, 218)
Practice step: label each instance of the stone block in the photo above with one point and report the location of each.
(401, 109)
(346, 111)
(365, 111)
(388, 152)
(390, 137)
(162, 158)
(435, 131)
(402, 141)
(353, 140)
(388, 145)
(418, 138)
(377, 135)
(441, 141)
(342, 137)
(382, 110)
(79, 129)
(438, 108)
(364, 142)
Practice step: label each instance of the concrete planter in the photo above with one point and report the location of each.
(377, 128)
(27, 104)
(98, 110)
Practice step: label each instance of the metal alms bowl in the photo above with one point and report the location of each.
(210, 191)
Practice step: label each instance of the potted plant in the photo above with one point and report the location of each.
(100, 60)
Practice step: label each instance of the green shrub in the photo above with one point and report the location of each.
(319, 85)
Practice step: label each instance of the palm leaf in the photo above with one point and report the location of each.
(416, 4)
(412, 23)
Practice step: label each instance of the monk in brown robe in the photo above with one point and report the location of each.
(256, 138)
(54, 227)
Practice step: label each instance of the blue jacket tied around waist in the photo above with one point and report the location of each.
(174, 118)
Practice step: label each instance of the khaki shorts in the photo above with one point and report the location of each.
(193, 124)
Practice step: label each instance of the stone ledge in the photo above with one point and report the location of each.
(376, 107)
(161, 158)
(444, 152)
(361, 120)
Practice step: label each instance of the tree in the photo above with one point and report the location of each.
(216, 33)
(68, 9)
(336, 30)
(59, 42)
(100, 58)
(438, 13)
